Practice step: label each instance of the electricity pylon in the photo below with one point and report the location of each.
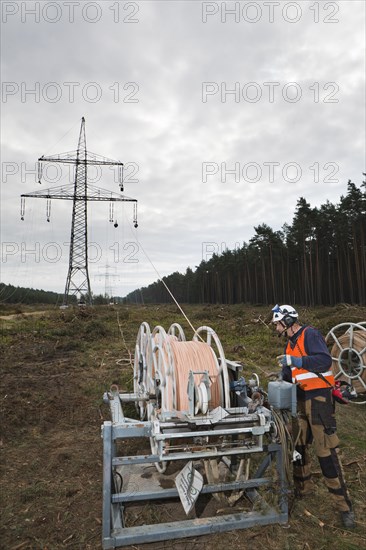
(80, 192)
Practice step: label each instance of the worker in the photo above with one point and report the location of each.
(307, 363)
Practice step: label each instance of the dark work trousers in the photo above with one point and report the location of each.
(316, 422)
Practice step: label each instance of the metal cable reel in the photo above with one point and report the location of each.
(187, 372)
(143, 351)
(348, 351)
(213, 341)
(176, 330)
(162, 369)
(154, 375)
(194, 410)
(149, 360)
(161, 385)
(185, 378)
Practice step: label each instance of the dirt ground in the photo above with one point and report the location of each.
(56, 366)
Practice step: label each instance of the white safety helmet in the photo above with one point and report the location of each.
(287, 314)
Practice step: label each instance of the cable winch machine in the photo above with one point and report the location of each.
(206, 440)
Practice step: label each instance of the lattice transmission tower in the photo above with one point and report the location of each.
(80, 192)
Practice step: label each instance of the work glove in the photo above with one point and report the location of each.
(289, 361)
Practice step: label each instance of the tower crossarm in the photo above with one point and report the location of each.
(70, 157)
(67, 192)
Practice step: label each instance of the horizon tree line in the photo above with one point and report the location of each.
(319, 259)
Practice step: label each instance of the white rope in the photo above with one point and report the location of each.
(166, 286)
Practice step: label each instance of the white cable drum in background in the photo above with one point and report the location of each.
(348, 351)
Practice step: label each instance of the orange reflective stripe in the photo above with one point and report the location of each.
(310, 381)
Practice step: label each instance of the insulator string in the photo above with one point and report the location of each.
(40, 172)
(48, 209)
(135, 224)
(22, 208)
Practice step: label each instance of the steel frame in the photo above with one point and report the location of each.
(80, 192)
(116, 534)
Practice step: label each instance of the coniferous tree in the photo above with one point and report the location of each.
(318, 259)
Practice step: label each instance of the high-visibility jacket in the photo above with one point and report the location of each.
(307, 380)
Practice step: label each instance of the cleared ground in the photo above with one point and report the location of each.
(56, 366)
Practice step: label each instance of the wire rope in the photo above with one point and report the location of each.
(164, 283)
(62, 137)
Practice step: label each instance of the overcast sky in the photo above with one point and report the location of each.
(223, 113)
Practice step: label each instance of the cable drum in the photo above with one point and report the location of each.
(174, 359)
(175, 377)
(176, 330)
(165, 362)
(348, 351)
(217, 350)
(141, 359)
(196, 357)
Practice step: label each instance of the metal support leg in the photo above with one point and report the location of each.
(283, 496)
(107, 481)
(253, 494)
(117, 534)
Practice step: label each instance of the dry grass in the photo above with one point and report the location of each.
(56, 366)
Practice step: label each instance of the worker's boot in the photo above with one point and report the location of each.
(348, 519)
(304, 488)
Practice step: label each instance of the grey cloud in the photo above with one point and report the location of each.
(170, 132)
